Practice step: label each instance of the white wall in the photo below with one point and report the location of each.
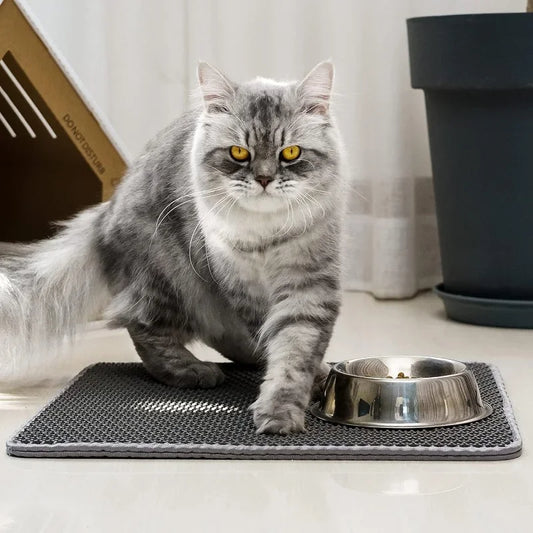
(137, 60)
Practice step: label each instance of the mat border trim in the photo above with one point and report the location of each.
(230, 451)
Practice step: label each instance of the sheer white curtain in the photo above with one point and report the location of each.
(137, 60)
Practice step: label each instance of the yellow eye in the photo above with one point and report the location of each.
(239, 153)
(290, 153)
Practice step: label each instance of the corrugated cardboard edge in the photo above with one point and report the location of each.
(92, 136)
(74, 80)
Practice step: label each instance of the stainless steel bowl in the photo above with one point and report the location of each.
(401, 392)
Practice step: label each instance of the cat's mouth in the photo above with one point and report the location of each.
(263, 201)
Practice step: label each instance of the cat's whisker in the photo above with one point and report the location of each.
(187, 195)
(207, 253)
(291, 212)
(302, 203)
(316, 190)
(307, 161)
(213, 168)
(194, 198)
(286, 220)
(296, 199)
(316, 202)
(170, 207)
(222, 200)
(230, 208)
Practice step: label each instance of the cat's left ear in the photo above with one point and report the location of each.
(217, 89)
(315, 89)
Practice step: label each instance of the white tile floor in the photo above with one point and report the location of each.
(73, 495)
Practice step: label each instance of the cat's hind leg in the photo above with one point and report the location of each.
(237, 348)
(167, 360)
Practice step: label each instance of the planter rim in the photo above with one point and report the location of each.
(475, 17)
(487, 51)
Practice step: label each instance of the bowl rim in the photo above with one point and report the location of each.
(335, 368)
(485, 412)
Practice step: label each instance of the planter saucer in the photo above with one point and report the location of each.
(487, 311)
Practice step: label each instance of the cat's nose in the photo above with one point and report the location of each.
(264, 180)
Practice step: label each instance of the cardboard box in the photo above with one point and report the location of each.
(57, 155)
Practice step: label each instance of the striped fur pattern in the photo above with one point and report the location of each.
(193, 247)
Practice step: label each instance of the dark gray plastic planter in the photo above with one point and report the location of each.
(477, 75)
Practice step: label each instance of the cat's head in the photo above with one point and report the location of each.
(267, 146)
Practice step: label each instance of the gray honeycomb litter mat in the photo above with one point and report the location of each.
(118, 410)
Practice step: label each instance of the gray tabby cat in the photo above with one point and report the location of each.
(226, 230)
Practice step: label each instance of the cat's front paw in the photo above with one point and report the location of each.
(275, 418)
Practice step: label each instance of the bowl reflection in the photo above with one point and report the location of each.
(401, 392)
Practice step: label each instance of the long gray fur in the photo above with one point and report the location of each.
(193, 247)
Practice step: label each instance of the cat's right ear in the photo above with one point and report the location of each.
(217, 89)
(315, 90)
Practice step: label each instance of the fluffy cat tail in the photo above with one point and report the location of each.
(47, 289)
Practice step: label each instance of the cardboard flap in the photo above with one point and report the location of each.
(57, 156)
